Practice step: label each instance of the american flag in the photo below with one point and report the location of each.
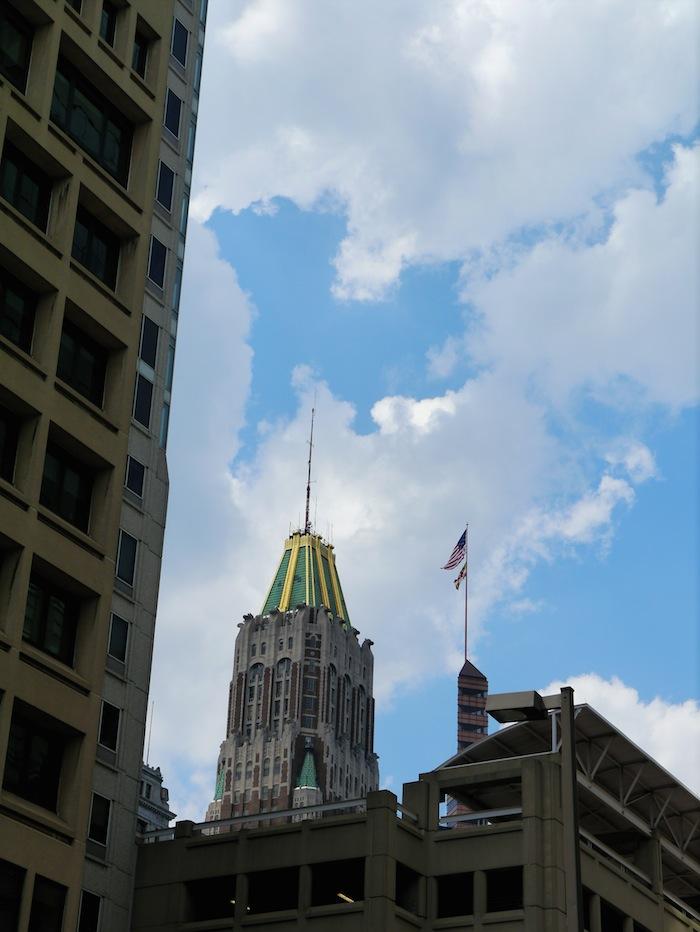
(462, 575)
(458, 553)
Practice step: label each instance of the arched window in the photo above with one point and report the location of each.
(249, 770)
(239, 770)
(266, 767)
(332, 695)
(253, 711)
(280, 700)
(361, 715)
(347, 704)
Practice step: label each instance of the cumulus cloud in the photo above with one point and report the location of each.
(514, 115)
(669, 732)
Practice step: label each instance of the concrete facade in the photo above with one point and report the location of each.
(302, 683)
(512, 867)
(154, 809)
(87, 253)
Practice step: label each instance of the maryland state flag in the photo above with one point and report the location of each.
(462, 575)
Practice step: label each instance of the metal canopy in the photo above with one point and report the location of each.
(623, 792)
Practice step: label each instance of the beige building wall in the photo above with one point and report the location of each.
(72, 200)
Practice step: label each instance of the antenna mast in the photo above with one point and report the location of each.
(307, 522)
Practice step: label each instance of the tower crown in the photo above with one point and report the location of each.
(306, 574)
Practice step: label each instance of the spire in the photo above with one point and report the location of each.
(307, 520)
(307, 775)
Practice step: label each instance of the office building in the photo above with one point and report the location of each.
(154, 809)
(98, 102)
(300, 717)
(569, 826)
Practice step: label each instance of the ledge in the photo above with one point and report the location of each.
(8, 491)
(42, 819)
(54, 668)
(72, 533)
(22, 357)
(112, 183)
(139, 82)
(64, 389)
(29, 227)
(109, 51)
(22, 100)
(97, 284)
(77, 19)
(4, 643)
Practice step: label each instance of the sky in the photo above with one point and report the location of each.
(468, 233)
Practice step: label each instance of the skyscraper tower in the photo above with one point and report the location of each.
(300, 721)
(98, 102)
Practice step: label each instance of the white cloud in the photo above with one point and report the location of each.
(669, 732)
(570, 315)
(438, 128)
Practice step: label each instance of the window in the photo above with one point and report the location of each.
(11, 883)
(25, 186)
(15, 47)
(17, 308)
(263, 648)
(89, 912)
(164, 188)
(197, 78)
(164, 421)
(66, 487)
(109, 726)
(88, 117)
(280, 644)
(179, 42)
(99, 819)
(142, 400)
(156, 261)
(191, 135)
(177, 286)
(82, 363)
(148, 349)
(9, 432)
(266, 767)
(504, 889)
(48, 900)
(108, 22)
(203, 12)
(173, 106)
(139, 55)
(118, 637)
(147, 790)
(35, 751)
(273, 890)
(455, 895)
(135, 476)
(334, 882)
(96, 247)
(51, 619)
(253, 650)
(126, 558)
(184, 210)
(77, 5)
(170, 367)
(290, 643)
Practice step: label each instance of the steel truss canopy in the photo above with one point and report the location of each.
(625, 796)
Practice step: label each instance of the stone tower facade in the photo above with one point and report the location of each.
(472, 720)
(300, 721)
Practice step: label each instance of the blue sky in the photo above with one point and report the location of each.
(458, 231)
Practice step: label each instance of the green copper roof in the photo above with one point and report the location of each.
(306, 575)
(307, 777)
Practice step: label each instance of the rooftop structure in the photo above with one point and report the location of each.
(570, 827)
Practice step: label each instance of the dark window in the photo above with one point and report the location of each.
(164, 190)
(135, 475)
(191, 136)
(126, 559)
(51, 619)
(203, 12)
(156, 262)
(197, 78)
(211, 898)
(184, 210)
(109, 726)
(108, 22)
(90, 119)
(504, 889)
(611, 919)
(179, 43)
(334, 882)
(164, 423)
(99, 819)
(270, 891)
(25, 186)
(34, 756)
(149, 341)
(82, 363)
(89, 912)
(66, 487)
(142, 400)
(118, 636)
(48, 899)
(77, 5)
(177, 287)
(408, 888)
(139, 56)
(173, 105)
(9, 431)
(15, 47)
(17, 307)
(455, 894)
(96, 247)
(11, 883)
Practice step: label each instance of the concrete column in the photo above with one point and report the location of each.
(380, 863)
(595, 913)
(569, 798)
(241, 907)
(479, 893)
(304, 888)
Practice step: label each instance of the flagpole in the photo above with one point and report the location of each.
(466, 590)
